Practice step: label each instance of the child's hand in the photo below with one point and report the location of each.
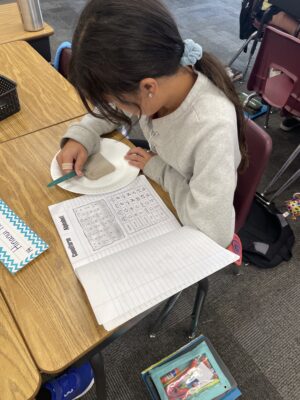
(138, 157)
(72, 156)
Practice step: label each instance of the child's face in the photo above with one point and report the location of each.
(135, 104)
(130, 108)
(146, 101)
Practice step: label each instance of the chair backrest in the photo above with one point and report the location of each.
(62, 58)
(281, 52)
(259, 149)
(64, 62)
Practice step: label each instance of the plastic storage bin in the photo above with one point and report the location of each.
(9, 101)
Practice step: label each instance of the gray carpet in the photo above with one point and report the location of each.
(252, 320)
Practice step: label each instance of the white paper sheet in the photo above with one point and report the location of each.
(125, 284)
(92, 227)
(129, 251)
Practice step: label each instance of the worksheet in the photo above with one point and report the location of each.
(130, 252)
(94, 226)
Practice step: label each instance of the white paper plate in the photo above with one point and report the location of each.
(124, 173)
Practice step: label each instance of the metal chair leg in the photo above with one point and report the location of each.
(163, 315)
(247, 67)
(282, 169)
(236, 270)
(292, 179)
(198, 305)
(268, 117)
(97, 363)
(241, 49)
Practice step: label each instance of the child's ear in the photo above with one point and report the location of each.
(148, 87)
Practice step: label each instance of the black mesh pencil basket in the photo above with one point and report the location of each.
(9, 101)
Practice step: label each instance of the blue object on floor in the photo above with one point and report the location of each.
(262, 111)
(199, 346)
(233, 395)
(63, 45)
(74, 383)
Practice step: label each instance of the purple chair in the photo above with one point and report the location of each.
(62, 58)
(279, 51)
(65, 61)
(259, 145)
(259, 149)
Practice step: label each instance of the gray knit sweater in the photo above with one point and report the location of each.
(197, 157)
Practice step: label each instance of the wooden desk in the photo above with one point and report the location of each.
(19, 377)
(46, 97)
(46, 298)
(11, 29)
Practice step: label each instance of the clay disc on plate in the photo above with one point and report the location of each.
(97, 166)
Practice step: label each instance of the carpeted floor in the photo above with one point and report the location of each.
(252, 320)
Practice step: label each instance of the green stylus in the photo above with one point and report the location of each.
(62, 179)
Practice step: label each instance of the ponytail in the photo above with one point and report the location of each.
(209, 66)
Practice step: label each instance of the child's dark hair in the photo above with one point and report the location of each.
(118, 43)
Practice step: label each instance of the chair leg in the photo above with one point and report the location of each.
(198, 305)
(97, 363)
(268, 117)
(247, 67)
(282, 169)
(241, 49)
(163, 315)
(292, 179)
(236, 270)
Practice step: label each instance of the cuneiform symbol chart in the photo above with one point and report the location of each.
(98, 224)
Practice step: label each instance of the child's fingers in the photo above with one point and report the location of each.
(67, 166)
(137, 150)
(138, 157)
(133, 157)
(80, 161)
(65, 161)
(136, 164)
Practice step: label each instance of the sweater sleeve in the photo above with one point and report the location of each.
(88, 132)
(205, 201)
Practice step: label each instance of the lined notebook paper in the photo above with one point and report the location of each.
(145, 258)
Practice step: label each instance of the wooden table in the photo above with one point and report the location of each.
(46, 97)
(21, 379)
(11, 29)
(46, 298)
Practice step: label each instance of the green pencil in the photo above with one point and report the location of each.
(62, 179)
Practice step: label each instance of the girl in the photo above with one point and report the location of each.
(129, 58)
